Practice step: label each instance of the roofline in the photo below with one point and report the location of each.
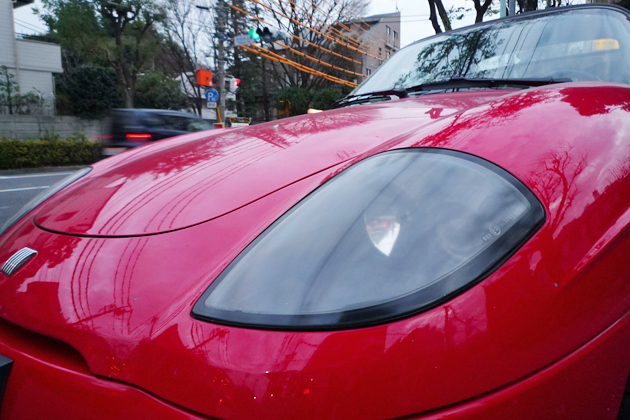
(377, 18)
(20, 3)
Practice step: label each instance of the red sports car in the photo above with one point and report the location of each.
(450, 242)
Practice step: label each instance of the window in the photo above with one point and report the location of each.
(387, 55)
(389, 31)
(395, 36)
(368, 72)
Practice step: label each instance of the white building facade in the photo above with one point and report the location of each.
(31, 62)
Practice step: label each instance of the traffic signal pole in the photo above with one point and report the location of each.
(220, 62)
(221, 9)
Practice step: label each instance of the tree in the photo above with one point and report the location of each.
(482, 8)
(90, 90)
(157, 90)
(293, 100)
(12, 101)
(116, 33)
(188, 31)
(433, 4)
(9, 89)
(314, 34)
(527, 5)
(324, 98)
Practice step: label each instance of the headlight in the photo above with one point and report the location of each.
(43, 196)
(391, 236)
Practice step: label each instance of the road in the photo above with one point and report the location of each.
(17, 190)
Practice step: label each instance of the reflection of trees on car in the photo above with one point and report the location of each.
(452, 57)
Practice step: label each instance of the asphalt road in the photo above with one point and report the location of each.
(18, 189)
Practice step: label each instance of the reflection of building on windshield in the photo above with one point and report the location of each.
(535, 47)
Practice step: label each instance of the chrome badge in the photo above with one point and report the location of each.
(17, 260)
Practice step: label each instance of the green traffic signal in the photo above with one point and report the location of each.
(253, 34)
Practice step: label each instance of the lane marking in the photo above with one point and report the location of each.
(26, 189)
(35, 175)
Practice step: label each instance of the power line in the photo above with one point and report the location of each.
(314, 30)
(319, 61)
(27, 25)
(352, 21)
(342, 25)
(295, 36)
(278, 58)
(335, 30)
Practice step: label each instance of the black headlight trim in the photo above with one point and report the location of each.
(431, 296)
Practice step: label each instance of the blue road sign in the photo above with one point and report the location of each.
(212, 95)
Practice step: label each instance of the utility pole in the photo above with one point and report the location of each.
(220, 62)
(236, 25)
(221, 9)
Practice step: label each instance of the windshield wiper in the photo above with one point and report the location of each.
(464, 83)
(368, 97)
(452, 83)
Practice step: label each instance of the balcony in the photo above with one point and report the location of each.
(39, 56)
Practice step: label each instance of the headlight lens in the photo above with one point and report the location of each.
(391, 236)
(43, 196)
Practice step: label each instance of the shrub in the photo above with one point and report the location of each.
(48, 151)
(293, 100)
(324, 98)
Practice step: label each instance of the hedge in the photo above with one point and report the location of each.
(48, 151)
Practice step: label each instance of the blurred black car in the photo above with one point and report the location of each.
(134, 127)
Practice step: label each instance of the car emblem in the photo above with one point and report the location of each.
(17, 260)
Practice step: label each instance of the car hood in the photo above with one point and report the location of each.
(125, 303)
(191, 179)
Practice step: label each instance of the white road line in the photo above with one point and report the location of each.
(26, 189)
(35, 175)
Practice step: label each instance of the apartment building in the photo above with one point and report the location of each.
(32, 62)
(381, 34)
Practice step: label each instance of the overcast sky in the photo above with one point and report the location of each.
(414, 16)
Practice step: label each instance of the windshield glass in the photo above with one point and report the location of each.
(584, 44)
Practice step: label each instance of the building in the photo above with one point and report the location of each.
(383, 33)
(31, 62)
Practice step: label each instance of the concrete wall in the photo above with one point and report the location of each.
(34, 126)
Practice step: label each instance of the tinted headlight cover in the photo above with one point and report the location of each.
(43, 196)
(391, 236)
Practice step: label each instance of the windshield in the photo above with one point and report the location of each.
(584, 44)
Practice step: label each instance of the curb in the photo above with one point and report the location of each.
(8, 172)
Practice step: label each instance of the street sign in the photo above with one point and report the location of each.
(243, 40)
(212, 95)
(204, 77)
(212, 105)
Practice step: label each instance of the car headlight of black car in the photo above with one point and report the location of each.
(393, 235)
(43, 196)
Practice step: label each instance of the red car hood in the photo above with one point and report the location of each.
(124, 303)
(195, 178)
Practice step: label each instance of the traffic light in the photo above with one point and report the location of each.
(254, 33)
(264, 33)
(267, 34)
(234, 85)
